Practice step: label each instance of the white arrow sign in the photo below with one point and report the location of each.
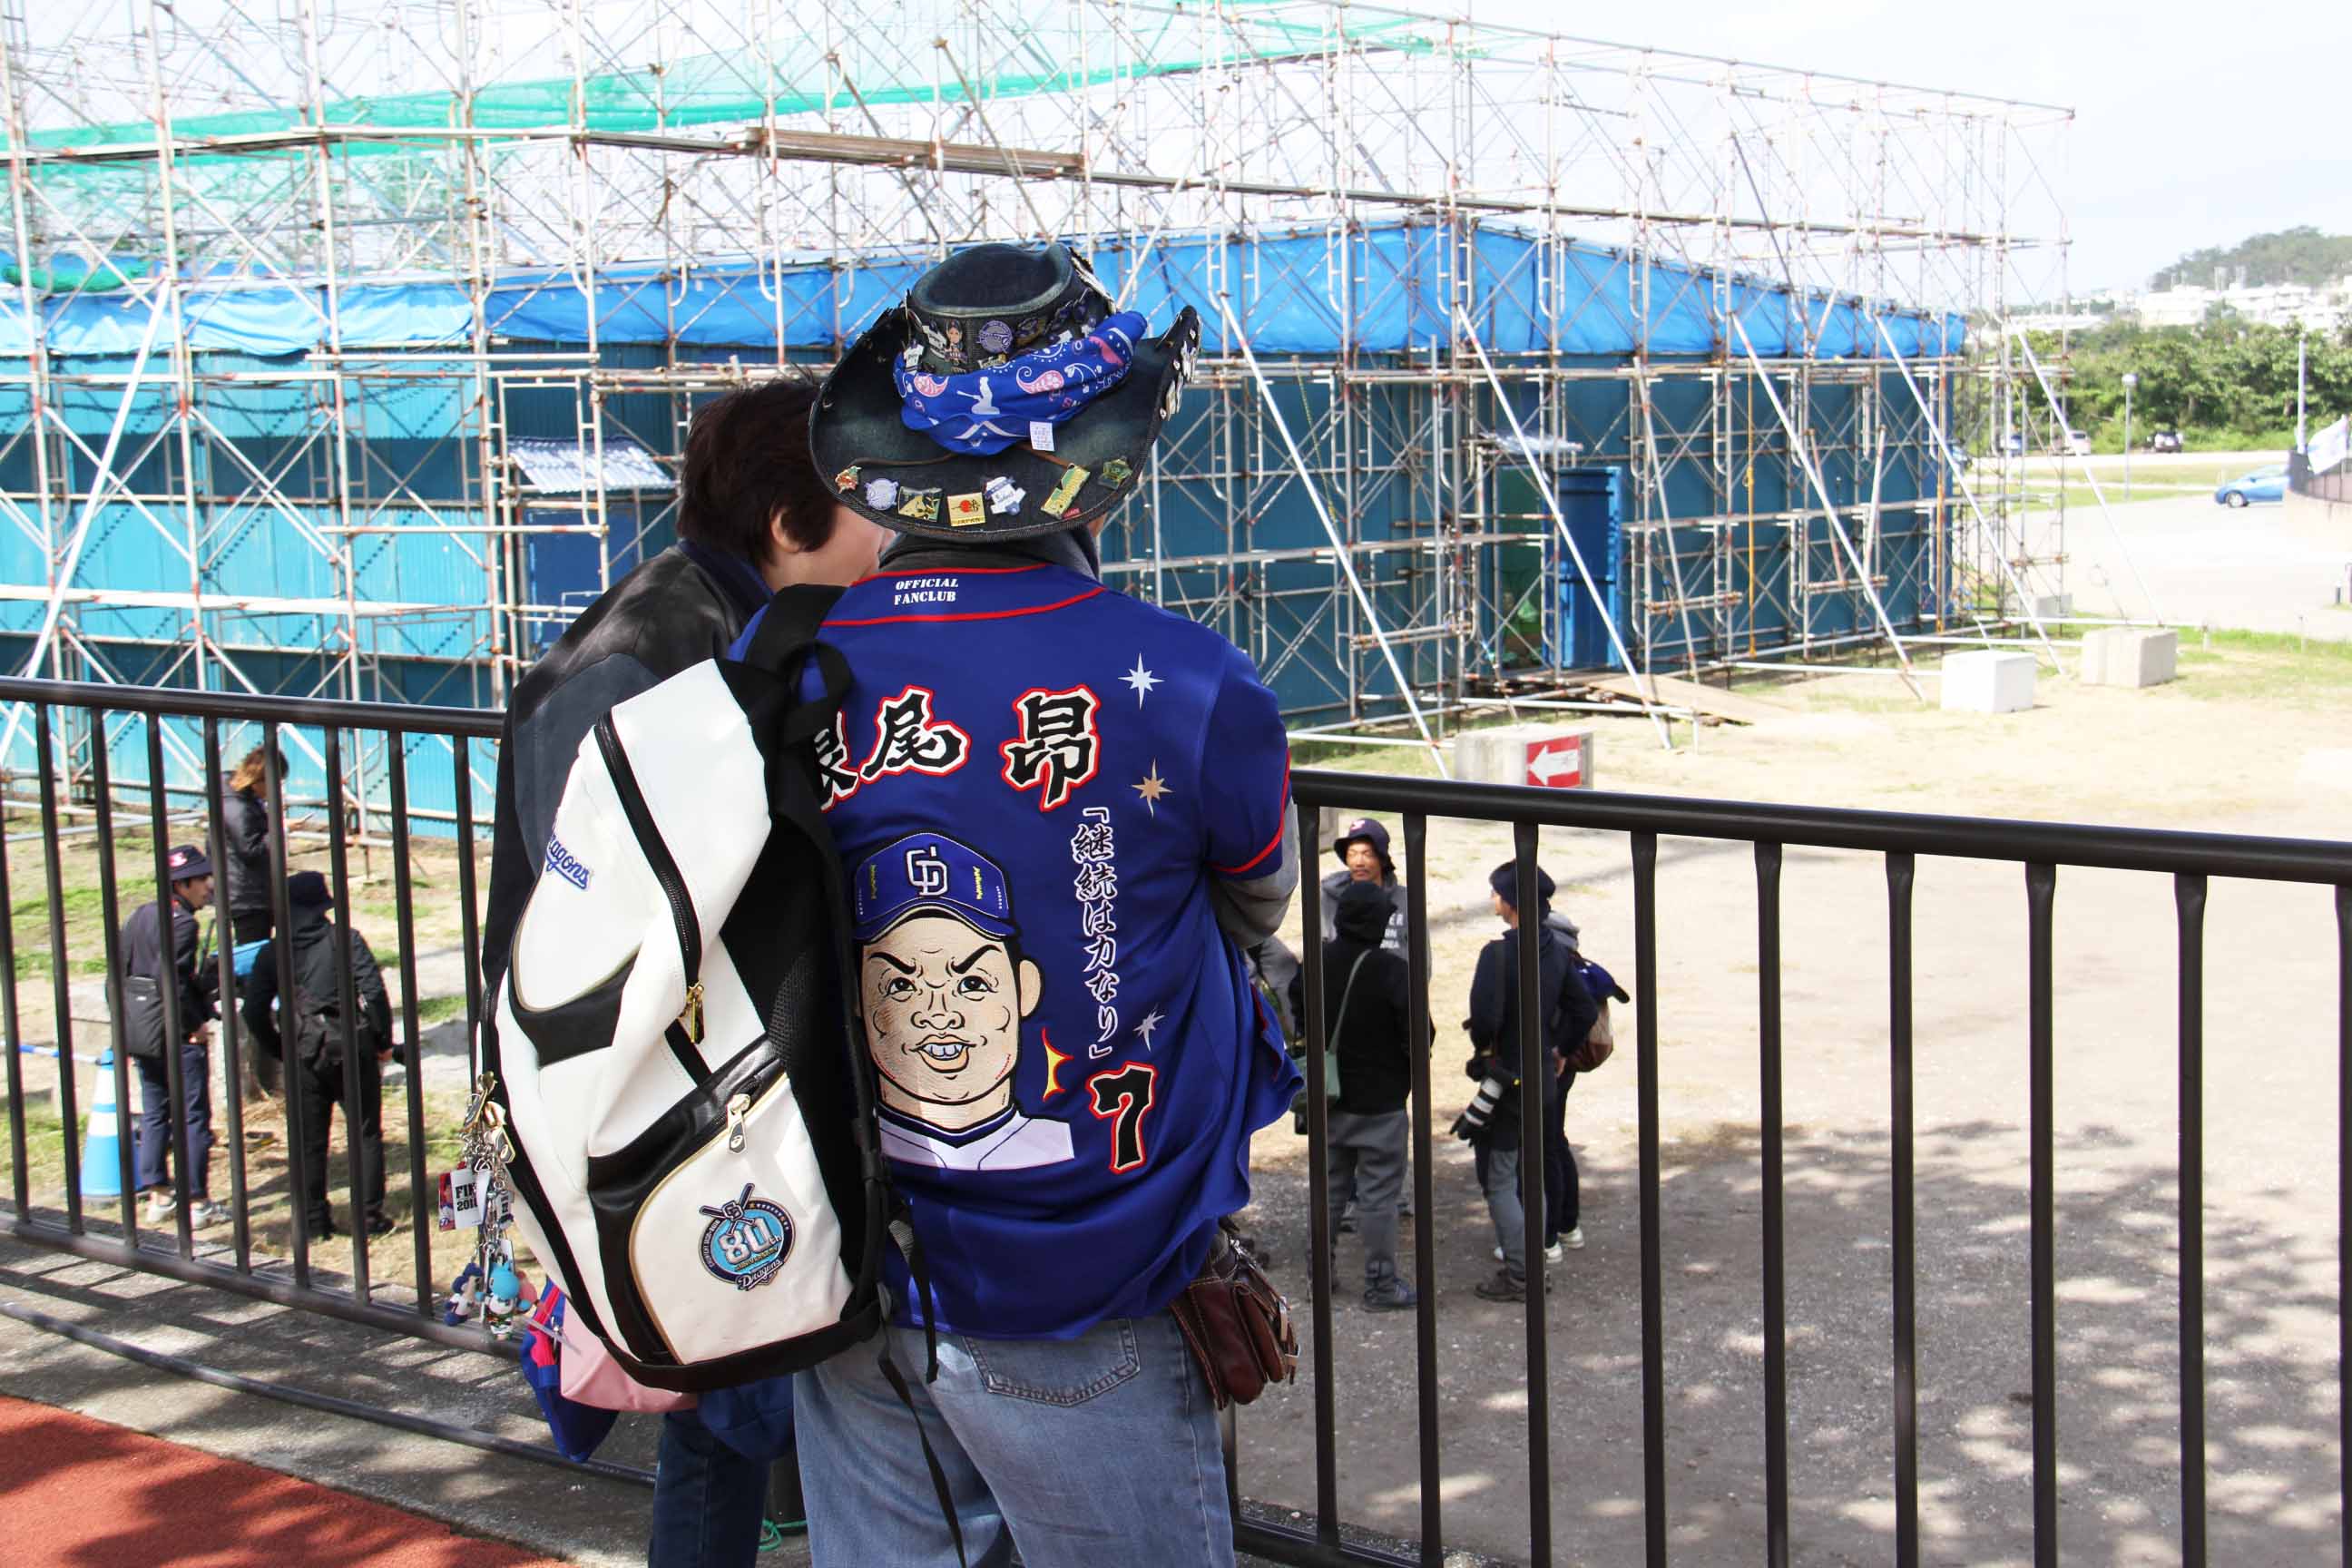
(1549, 763)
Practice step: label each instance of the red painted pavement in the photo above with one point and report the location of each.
(78, 1493)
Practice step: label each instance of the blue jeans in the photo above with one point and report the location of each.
(708, 1499)
(1084, 1452)
(155, 1119)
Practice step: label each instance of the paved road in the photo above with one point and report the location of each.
(2207, 565)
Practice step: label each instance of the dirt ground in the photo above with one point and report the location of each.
(2257, 736)
(2254, 738)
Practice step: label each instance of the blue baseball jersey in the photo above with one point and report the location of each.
(1034, 782)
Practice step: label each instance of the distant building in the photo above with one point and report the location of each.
(2320, 308)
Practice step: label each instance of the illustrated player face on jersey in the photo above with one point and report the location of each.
(943, 986)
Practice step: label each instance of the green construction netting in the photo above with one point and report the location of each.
(1052, 58)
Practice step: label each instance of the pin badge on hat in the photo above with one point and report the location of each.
(1066, 492)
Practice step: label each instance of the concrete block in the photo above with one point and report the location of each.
(2052, 607)
(1546, 756)
(2128, 655)
(1987, 680)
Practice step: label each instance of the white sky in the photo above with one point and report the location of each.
(2194, 125)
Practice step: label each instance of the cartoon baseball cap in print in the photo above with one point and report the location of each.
(928, 871)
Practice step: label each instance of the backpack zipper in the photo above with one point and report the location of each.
(665, 870)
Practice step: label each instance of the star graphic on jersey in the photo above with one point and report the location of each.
(1140, 680)
(1152, 1021)
(1153, 789)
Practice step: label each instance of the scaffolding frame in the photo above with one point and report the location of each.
(595, 156)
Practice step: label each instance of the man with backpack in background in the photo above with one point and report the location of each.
(147, 967)
(310, 1023)
(1066, 814)
(1491, 1121)
(1369, 1007)
(753, 519)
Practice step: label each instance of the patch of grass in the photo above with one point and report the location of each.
(439, 1009)
(2263, 667)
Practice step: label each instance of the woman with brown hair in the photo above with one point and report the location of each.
(245, 842)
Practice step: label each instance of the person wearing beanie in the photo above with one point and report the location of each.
(315, 1069)
(1491, 1121)
(1367, 1009)
(1067, 1096)
(147, 968)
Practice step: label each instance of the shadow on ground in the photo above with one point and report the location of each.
(2270, 1329)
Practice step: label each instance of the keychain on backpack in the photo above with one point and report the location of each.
(483, 1202)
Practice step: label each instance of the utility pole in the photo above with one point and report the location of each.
(2131, 379)
(2301, 337)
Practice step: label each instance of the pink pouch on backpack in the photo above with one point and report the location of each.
(591, 1377)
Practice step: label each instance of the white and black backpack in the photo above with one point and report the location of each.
(695, 1154)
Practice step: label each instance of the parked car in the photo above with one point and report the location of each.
(2078, 443)
(2263, 484)
(2165, 441)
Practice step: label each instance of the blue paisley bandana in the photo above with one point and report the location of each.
(985, 411)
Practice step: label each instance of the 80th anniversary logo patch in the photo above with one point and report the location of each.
(746, 1240)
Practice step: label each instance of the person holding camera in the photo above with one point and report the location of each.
(1491, 1123)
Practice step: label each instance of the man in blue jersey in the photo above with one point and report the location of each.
(1067, 1096)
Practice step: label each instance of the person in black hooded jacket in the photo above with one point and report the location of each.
(1367, 1009)
(313, 1018)
(1492, 1123)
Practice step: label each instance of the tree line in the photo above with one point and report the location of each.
(2227, 383)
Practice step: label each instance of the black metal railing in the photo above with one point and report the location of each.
(2039, 849)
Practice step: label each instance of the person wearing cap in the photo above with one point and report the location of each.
(143, 957)
(1362, 850)
(1068, 1098)
(313, 1017)
(1491, 1121)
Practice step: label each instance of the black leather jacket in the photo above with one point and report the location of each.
(680, 608)
(245, 860)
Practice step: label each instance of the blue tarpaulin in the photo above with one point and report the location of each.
(1385, 289)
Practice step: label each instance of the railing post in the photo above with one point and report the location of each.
(19, 1177)
(355, 1061)
(2042, 886)
(1776, 1307)
(178, 1090)
(282, 949)
(1424, 1190)
(2189, 898)
(420, 1193)
(2343, 1214)
(1654, 1352)
(1535, 1085)
(233, 1076)
(61, 991)
(1319, 1218)
(1900, 871)
(109, 914)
